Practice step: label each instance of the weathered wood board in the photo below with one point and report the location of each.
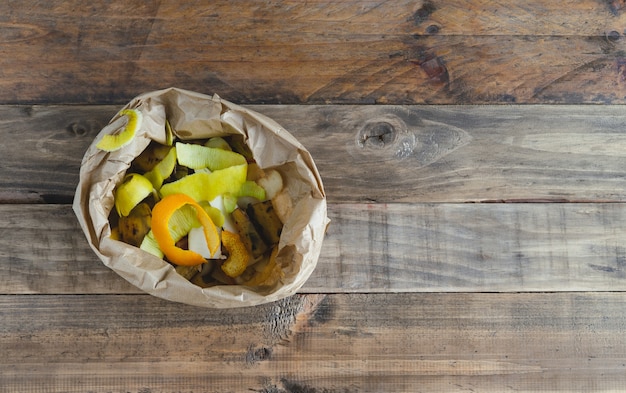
(366, 153)
(370, 248)
(569, 342)
(290, 52)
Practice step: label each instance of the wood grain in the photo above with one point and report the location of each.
(42, 148)
(464, 153)
(568, 342)
(422, 153)
(472, 247)
(358, 52)
(370, 248)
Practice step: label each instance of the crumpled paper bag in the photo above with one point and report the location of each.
(193, 116)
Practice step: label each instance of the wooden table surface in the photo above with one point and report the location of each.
(474, 158)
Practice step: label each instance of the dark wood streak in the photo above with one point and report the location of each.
(616, 6)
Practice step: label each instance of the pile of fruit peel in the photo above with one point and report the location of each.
(204, 206)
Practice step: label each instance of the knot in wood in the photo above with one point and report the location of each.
(79, 128)
(378, 134)
(432, 29)
(82, 128)
(613, 36)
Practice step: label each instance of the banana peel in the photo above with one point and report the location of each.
(134, 227)
(267, 223)
(269, 275)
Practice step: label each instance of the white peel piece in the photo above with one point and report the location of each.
(197, 243)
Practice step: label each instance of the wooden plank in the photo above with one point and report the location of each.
(358, 52)
(372, 153)
(370, 248)
(463, 153)
(534, 17)
(469, 247)
(558, 342)
(42, 148)
(44, 251)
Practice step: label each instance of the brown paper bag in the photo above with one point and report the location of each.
(193, 116)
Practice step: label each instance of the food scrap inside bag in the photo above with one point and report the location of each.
(197, 200)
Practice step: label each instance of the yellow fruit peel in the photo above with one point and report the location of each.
(133, 189)
(251, 189)
(202, 186)
(124, 136)
(162, 170)
(200, 157)
(150, 245)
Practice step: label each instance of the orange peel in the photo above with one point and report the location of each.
(161, 214)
